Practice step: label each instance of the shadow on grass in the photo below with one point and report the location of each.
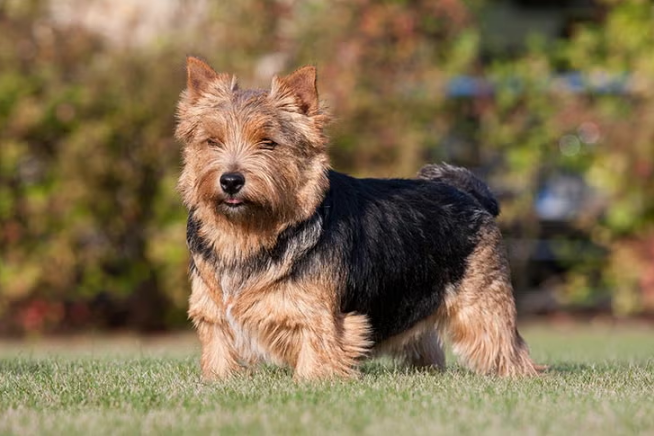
(565, 367)
(596, 367)
(385, 367)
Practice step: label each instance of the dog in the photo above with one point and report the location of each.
(295, 264)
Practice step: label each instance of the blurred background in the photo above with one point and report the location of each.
(550, 101)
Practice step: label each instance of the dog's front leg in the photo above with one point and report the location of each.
(300, 326)
(334, 348)
(219, 357)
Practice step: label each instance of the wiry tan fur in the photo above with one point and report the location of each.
(288, 188)
(243, 317)
(480, 318)
(279, 322)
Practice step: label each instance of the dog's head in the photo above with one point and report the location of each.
(252, 155)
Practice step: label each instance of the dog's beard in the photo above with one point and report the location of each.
(243, 209)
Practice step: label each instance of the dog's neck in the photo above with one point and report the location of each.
(232, 244)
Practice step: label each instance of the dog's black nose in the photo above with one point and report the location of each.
(232, 182)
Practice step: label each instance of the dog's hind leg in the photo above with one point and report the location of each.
(427, 351)
(480, 315)
(420, 346)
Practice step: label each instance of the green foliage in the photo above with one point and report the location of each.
(606, 138)
(85, 150)
(88, 207)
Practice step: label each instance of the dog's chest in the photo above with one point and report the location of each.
(231, 283)
(246, 342)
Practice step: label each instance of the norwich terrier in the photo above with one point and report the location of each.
(299, 265)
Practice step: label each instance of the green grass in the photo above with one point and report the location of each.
(601, 383)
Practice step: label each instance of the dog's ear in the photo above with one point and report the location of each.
(201, 78)
(298, 89)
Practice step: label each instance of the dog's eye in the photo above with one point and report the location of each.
(267, 144)
(214, 143)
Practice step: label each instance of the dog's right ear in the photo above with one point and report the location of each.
(298, 90)
(201, 78)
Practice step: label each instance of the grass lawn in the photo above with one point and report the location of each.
(601, 383)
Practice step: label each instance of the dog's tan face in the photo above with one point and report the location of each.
(252, 155)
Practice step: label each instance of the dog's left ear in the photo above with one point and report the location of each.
(298, 89)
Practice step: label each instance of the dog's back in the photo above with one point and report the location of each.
(400, 245)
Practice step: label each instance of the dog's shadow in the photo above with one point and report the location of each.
(568, 368)
(383, 366)
(604, 366)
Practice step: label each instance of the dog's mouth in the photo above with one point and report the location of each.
(230, 204)
(237, 206)
(233, 202)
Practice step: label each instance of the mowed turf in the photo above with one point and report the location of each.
(601, 382)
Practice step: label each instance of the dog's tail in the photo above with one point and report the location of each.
(464, 180)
